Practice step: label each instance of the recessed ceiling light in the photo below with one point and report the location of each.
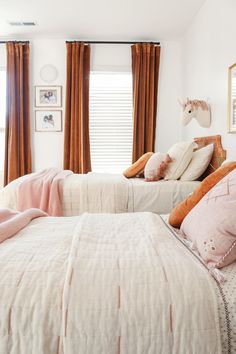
(22, 23)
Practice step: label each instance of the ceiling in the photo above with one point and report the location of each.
(98, 19)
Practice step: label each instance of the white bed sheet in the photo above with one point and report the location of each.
(158, 197)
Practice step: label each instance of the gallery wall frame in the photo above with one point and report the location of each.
(48, 96)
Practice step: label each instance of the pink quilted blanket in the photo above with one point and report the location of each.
(43, 191)
(13, 221)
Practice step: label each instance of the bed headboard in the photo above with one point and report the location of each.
(219, 154)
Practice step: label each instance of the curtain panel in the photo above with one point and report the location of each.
(76, 134)
(145, 70)
(18, 161)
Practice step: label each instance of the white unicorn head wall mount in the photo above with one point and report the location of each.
(198, 109)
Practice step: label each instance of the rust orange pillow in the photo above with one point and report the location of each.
(137, 166)
(181, 210)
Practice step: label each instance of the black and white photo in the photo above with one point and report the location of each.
(48, 96)
(48, 121)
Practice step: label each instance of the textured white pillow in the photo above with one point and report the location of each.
(199, 163)
(181, 154)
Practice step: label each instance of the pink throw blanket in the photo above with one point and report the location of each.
(43, 191)
(13, 221)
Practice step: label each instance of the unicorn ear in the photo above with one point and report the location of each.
(181, 103)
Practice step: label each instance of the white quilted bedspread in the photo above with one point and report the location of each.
(104, 284)
(113, 193)
(95, 193)
(92, 192)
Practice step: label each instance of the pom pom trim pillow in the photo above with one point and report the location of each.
(138, 166)
(199, 163)
(181, 210)
(181, 154)
(211, 224)
(156, 166)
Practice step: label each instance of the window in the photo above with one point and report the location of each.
(111, 121)
(2, 115)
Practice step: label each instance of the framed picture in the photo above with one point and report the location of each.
(48, 96)
(232, 99)
(48, 121)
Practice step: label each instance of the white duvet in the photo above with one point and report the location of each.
(113, 193)
(104, 284)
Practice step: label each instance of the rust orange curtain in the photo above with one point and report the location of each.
(145, 70)
(17, 139)
(76, 136)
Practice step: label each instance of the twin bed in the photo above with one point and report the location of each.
(102, 193)
(112, 284)
(101, 283)
(109, 193)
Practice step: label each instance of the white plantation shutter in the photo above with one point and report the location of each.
(111, 121)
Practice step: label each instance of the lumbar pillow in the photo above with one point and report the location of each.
(181, 154)
(156, 167)
(138, 166)
(211, 224)
(181, 210)
(199, 163)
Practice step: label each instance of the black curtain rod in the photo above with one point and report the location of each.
(92, 42)
(111, 42)
(2, 42)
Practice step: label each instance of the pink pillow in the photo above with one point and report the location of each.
(211, 224)
(156, 167)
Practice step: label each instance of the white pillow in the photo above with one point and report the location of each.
(181, 154)
(199, 163)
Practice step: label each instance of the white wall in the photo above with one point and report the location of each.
(114, 57)
(208, 49)
(48, 147)
(168, 129)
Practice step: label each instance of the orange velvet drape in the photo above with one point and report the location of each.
(17, 139)
(76, 135)
(145, 70)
